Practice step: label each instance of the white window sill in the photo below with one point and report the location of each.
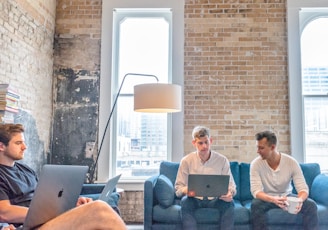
(131, 185)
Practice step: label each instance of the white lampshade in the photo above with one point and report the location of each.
(157, 98)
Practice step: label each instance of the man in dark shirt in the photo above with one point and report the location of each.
(18, 182)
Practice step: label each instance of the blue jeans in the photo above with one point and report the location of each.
(260, 208)
(189, 205)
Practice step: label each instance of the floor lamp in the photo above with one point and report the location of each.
(148, 98)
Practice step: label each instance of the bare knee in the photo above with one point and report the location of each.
(99, 208)
(100, 205)
(106, 214)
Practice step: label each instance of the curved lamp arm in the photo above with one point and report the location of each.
(93, 168)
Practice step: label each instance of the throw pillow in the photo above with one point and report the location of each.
(164, 191)
(319, 186)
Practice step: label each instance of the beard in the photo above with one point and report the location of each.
(15, 157)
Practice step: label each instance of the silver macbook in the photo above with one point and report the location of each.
(109, 188)
(58, 189)
(208, 185)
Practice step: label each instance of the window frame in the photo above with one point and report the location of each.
(295, 25)
(176, 137)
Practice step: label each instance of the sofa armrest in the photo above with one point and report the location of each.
(149, 201)
(319, 189)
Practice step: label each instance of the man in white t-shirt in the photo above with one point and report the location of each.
(271, 174)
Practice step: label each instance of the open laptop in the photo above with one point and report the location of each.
(109, 188)
(203, 185)
(57, 191)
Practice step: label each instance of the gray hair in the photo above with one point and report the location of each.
(200, 131)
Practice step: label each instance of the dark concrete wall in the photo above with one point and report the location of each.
(75, 116)
(76, 82)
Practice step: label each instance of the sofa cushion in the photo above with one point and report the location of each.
(234, 167)
(310, 171)
(319, 189)
(164, 191)
(322, 214)
(169, 169)
(167, 215)
(245, 187)
(242, 214)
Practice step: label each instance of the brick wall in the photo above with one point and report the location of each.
(26, 63)
(131, 206)
(236, 73)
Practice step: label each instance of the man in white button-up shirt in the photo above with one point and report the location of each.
(204, 161)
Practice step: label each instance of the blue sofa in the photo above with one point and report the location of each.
(162, 207)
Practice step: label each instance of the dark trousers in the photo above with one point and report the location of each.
(189, 205)
(260, 208)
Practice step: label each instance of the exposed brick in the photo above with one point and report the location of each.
(27, 58)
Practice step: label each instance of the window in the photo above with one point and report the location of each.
(142, 44)
(314, 56)
(132, 134)
(308, 78)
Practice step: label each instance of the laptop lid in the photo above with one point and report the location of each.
(57, 191)
(109, 188)
(208, 185)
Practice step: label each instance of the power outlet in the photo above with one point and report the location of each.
(89, 149)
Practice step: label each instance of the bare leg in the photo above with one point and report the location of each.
(91, 216)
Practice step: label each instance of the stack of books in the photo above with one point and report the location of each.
(9, 103)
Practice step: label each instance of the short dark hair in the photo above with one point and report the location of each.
(270, 136)
(8, 130)
(200, 131)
